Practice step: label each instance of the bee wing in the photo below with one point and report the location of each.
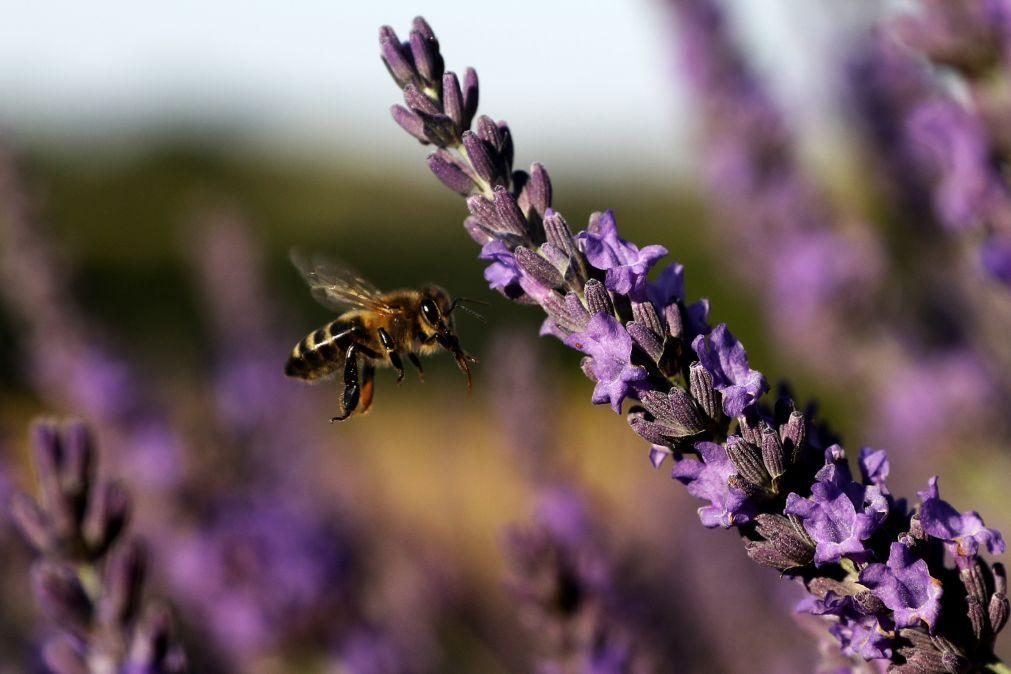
(337, 286)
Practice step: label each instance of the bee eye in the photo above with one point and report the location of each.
(430, 312)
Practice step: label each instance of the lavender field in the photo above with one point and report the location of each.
(707, 259)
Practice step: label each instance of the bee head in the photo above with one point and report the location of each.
(436, 310)
(437, 319)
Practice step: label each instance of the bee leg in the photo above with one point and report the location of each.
(368, 387)
(391, 352)
(397, 364)
(416, 362)
(352, 390)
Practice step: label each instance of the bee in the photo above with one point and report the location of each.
(374, 328)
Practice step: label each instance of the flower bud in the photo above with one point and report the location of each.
(644, 313)
(397, 63)
(701, 386)
(792, 435)
(481, 158)
(476, 231)
(649, 431)
(123, 584)
(538, 193)
(419, 103)
(999, 607)
(62, 597)
(452, 100)
(970, 571)
(63, 656)
(646, 340)
(558, 233)
(977, 617)
(410, 122)
(576, 310)
(427, 58)
(869, 603)
(748, 461)
(597, 299)
(782, 536)
(557, 308)
(509, 213)
(31, 522)
(672, 316)
(470, 96)
(538, 268)
(772, 453)
(450, 173)
(674, 411)
(108, 516)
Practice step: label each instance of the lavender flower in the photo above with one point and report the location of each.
(904, 585)
(69, 361)
(609, 348)
(625, 264)
(268, 567)
(89, 578)
(724, 357)
(759, 187)
(841, 514)
(708, 478)
(963, 533)
(565, 582)
(823, 276)
(968, 142)
(262, 570)
(761, 462)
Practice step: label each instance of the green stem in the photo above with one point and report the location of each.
(998, 668)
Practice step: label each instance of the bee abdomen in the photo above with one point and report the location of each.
(319, 353)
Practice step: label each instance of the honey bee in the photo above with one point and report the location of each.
(375, 328)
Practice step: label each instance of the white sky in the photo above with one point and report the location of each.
(577, 81)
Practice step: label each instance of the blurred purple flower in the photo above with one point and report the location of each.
(956, 144)
(263, 567)
(996, 257)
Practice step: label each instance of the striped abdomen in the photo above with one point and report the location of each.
(321, 352)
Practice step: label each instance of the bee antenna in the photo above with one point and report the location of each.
(458, 303)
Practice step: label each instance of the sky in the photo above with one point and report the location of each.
(586, 84)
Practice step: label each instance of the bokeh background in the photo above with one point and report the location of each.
(158, 164)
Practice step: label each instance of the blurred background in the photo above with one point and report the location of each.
(159, 162)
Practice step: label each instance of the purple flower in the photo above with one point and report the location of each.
(609, 346)
(503, 272)
(261, 569)
(874, 466)
(724, 357)
(626, 265)
(859, 635)
(668, 287)
(963, 533)
(955, 143)
(841, 513)
(904, 585)
(707, 479)
(996, 256)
